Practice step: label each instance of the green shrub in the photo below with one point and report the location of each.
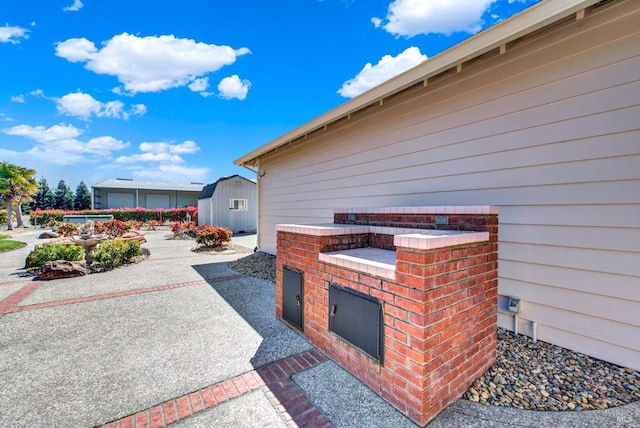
(3, 216)
(213, 236)
(116, 252)
(43, 253)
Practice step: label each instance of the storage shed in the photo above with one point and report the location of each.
(230, 202)
(537, 115)
(126, 193)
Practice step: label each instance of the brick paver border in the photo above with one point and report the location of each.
(274, 379)
(16, 308)
(18, 281)
(10, 304)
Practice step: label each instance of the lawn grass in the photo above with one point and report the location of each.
(8, 245)
(3, 236)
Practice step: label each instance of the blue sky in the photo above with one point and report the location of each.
(169, 91)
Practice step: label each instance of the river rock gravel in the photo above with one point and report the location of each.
(260, 265)
(542, 376)
(526, 375)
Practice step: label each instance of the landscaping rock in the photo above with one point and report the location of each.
(62, 269)
(47, 234)
(133, 235)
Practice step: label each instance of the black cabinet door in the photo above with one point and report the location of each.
(292, 297)
(357, 318)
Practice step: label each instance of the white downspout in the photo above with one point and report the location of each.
(257, 173)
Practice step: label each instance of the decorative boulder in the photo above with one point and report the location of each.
(47, 234)
(62, 269)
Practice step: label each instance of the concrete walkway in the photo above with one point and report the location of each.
(181, 339)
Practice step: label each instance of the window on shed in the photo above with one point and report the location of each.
(238, 204)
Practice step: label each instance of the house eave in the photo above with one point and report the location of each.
(497, 37)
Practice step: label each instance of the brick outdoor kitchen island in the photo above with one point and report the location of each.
(405, 299)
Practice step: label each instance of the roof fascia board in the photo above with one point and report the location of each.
(527, 21)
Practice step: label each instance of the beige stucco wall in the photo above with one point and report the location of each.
(549, 131)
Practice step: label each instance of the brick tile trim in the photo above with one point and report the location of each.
(24, 281)
(10, 305)
(274, 379)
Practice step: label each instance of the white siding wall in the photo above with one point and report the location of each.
(236, 188)
(204, 211)
(550, 132)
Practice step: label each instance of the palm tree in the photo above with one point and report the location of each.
(17, 184)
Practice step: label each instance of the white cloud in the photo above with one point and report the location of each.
(76, 50)
(186, 147)
(138, 109)
(388, 67)
(6, 118)
(150, 64)
(18, 99)
(76, 6)
(59, 144)
(10, 34)
(232, 87)
(150, 157)
(412, 17)
(199, 85)
(163, 161)
(78, 104)
(84, 106)
(161, 152)
(45, 135)
(105, 145)
(174, 173)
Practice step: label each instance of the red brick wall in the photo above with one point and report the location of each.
(471, 222)
(440, 316)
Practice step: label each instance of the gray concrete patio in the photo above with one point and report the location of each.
(181, 338)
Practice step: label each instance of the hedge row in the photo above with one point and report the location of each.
(43, 217)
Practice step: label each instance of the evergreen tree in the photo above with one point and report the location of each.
(63, 196)
(43, 199)
(83, 197)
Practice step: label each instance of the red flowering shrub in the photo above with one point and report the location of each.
(113, 228)
(42, 217)
(152, 224)
(184, 230)
(134, 224)
(68, 229)
(213, 236)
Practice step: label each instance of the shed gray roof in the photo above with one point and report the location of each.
(142, 185)
(209, 189)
